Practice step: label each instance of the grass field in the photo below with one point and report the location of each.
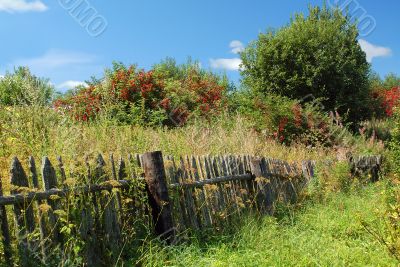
(42, 132)
(319, 233)
(328, 233)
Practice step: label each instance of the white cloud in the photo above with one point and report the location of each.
(60, 65)
(236, 46)
(55, 59)
(70, 84)
(374, 51)
(226, 63)
(12, 6)
(232, 64)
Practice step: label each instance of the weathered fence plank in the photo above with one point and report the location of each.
(188, 195)
(115, 178)
(160, 202)
(213, 170)
(223, 196)
(42, 221)
(112, 232)
(218, 180)
(227, 166)
(32, 196)
(214, 194)
(269, 193)
(198, 193)
(251, 184)
(261, 196)
(50, 182)
(227, 186)
(178, 201)
(202, 199)
(5, 231)
(208, 191)
(23, 212)
(90, 223)
(62, 170)
(188, 175)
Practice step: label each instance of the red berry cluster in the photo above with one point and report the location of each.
(390, 100)
(298, 118)
(131, 86)
(299, 122)
(194, 93)
(209, 93)
(83, 106)
(281, 128)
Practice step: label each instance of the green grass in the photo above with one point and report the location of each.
(318, 234)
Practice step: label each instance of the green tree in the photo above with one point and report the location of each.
(391, 80)
(317, 55)
(23, 88)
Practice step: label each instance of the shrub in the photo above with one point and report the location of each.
(23, 88)
(317, 55)
(188, 87)
(286, 120)
(391, 80)
(390, 99)
(376, 128)
(166, 95)
(83, 105)
(395, 143)
(384, 94)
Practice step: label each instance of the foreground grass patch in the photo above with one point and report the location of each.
(322, 234)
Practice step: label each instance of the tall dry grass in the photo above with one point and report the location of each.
(37, 131)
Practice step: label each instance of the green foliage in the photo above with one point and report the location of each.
(320, 234)
(287, 120)
(390, 81)
(23, 88)
(190, 88)
(81, 219)
(378, 129)
(316, 55)
(385, 94)
(395, 143)
(27, 129)
(331, 177)
(167, 95)
(390, 236)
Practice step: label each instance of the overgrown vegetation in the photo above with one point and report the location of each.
(23, 88)
(327, 233)
(317, 100)
(167, 95)
(316, 56)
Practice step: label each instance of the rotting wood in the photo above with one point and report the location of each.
(160, 202)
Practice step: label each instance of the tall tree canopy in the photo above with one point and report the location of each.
(318, 55)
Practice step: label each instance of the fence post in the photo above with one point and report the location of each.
(159, 200)
(264, 192)
(4, 226)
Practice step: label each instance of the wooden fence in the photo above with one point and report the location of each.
(172, 196)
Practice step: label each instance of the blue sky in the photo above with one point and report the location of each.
(56, 42)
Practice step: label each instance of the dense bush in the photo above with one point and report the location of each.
(384, 94)
(287, 120)
(386, 100)
(395, 143)
(23, 88)
(379, 129)
(317, 55)
(166, 95)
